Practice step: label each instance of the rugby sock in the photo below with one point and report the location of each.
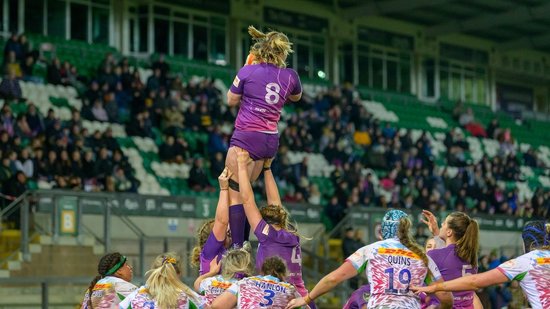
(237, 219)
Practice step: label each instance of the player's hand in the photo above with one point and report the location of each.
(430, 289)
(431, 221)
(242, 156)
(215, 266)
(297, 302)
(223, 179)
(267, 162)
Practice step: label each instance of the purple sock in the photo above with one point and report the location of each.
(237, 220)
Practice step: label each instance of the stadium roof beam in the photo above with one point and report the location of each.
(538, 41)
(514, 16)
(378, 7)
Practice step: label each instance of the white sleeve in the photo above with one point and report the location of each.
(436, 275)
(125, 304)
(360, 257)
(517, 268)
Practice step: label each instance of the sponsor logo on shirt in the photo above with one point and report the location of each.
(102, 286)
(265, 231)
(236, 81)
(221, 284)
(400, 252)
(543, 261)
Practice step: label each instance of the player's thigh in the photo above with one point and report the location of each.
(254, 168)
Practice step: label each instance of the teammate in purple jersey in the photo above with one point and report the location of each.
(359, 298)
(271, 224)
(213, 238)
(531, 270)
(262, 89)
(458, 256)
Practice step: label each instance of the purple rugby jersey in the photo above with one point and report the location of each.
(452, 267)
(265, 88)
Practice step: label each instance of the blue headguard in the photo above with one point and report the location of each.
(390, 223)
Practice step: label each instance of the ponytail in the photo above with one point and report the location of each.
(255, 33)
(404, 236)
(164, 284)
(468, 246)
(466, 231)
(272, 47)
(90, 290)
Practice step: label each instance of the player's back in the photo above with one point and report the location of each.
(142, 299)
(391, 269)
(451, 266)
(108, 292)
(263, 292)
(265, 88)
(532, 270)
(213, 287)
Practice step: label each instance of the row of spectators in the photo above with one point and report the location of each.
(333, 123)
(352, 140)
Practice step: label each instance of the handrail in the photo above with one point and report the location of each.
(14, 204)
(89, 231)
(338, 226)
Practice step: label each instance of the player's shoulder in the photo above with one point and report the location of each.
(436, 254)
(292, 72)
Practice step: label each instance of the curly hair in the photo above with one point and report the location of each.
(272, 47)
(202, 236)
(107, 262)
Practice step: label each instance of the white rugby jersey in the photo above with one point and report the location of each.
(532, 270)
(391, 268)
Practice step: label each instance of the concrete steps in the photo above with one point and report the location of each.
(30, 296)
(61, 257)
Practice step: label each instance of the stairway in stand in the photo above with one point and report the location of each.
(65, 257)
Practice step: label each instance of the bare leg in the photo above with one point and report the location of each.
(254, 167)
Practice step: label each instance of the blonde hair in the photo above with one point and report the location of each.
(163, 281)
(236, 261)
(405, 238)
(202, 236)
(272, 47)
(278, 215)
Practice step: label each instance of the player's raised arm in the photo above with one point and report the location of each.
(271, 189)
(221, 220)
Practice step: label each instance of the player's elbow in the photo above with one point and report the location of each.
(233, 99)
(295, 97)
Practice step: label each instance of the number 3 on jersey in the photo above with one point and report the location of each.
(272, 96)
(268, 298)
